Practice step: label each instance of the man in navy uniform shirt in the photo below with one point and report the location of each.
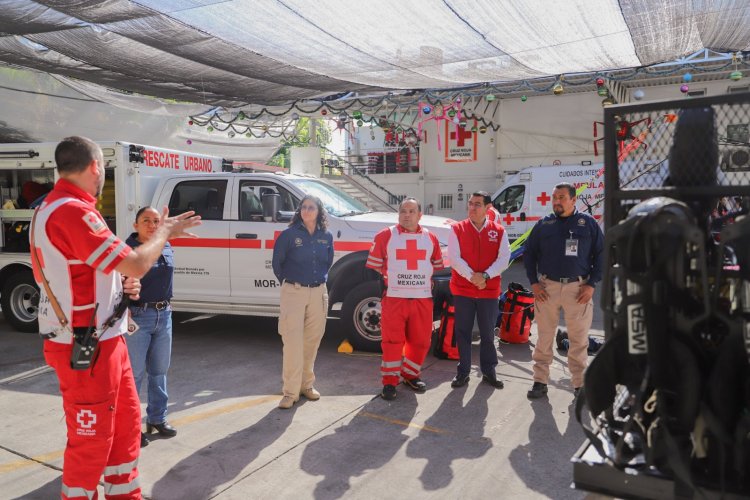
(563, 258)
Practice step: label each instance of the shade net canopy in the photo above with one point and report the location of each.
(237, 52)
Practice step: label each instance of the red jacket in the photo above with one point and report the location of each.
(479, 249)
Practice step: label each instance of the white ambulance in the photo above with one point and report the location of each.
(228, 269)
(526, 197)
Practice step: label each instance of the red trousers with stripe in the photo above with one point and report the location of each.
(103, 416)
(406, 328)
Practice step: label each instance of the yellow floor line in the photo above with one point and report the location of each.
(54, 455)
(20, 464)
(427, 428)
(188, 419)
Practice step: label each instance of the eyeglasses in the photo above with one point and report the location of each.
(475, 205)
(308, 207)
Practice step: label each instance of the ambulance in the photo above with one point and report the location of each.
(526, 196)
(227, 270)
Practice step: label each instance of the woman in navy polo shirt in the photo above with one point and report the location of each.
(302, 256)
(150, 345)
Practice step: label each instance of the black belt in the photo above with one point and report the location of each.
(311, 285)
(566, 280)
(159, 306)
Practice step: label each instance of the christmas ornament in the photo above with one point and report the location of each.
(231, 133)
(343, 116)
(474, 128)
(295, 116)
(451, 112)
(323, 111)
(240, 115)
(427, 110)
(608, 101)
(462, 123)
(458, 100)
(189, 142)
(638, 94)
(603, 91)
(599, 82)
(209, 128)
(490, 97)
(248, 135)
(557, 89)
(523, 98)
(735, 75)
(360, 123)
(684, 88)
(190, 122)
(482, 129)
(357, 115)
(687, 77)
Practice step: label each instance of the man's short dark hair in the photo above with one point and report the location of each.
(567, 185)
(410, 198)
(75, 153)
(485, 196)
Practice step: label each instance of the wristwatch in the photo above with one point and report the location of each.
(485, 276)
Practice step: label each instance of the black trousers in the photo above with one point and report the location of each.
(485, 310)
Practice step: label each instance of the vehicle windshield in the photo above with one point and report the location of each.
(335, 201)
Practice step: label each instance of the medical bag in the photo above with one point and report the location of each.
(516, 314)
(445, 347)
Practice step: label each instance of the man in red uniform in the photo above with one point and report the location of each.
(492, 214)
(406, 255)
(479, 252)
(77, 258)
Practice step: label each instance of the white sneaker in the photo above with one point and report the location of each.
(310, 394)
(287, 402)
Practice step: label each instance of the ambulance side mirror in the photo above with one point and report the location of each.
(522, 216)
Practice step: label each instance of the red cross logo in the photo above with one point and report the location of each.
(86, 418)
(508, 219)
(93, 219)
(460, 135)
(543, 198)
(411, 254)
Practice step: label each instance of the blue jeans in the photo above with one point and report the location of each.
(485, 311)
(150, 350)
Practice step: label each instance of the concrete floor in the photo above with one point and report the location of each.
(233, 443)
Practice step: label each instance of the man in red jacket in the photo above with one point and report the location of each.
(479, 251)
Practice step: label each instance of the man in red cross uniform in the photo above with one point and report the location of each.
(406, 255)
(77, 258)
(492, 214)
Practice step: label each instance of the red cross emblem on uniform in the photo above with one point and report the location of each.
(86, 418)
(543, 198)
(411, 254)
(93, 219)
(508, 219)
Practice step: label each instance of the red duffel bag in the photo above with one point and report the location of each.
(445, 347)
(516, 314)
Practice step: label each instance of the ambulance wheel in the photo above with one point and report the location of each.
(20, 302)
(361, 313)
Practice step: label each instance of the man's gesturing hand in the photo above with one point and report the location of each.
(178, 225)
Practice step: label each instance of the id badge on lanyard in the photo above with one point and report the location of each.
(571, 246)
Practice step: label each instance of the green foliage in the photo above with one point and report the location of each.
(301, 138)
